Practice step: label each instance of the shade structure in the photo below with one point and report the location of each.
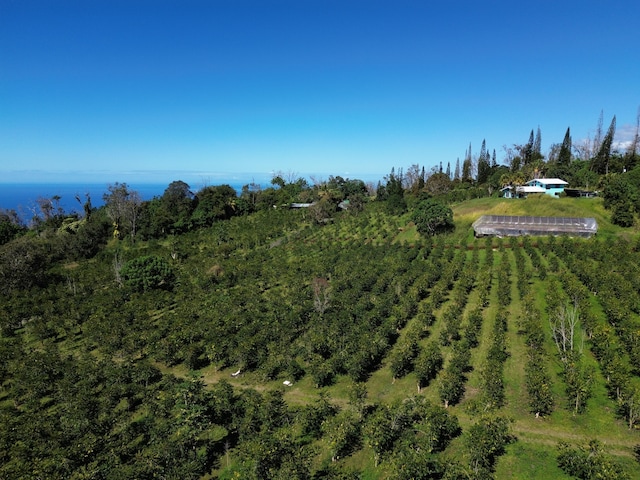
(510, 226)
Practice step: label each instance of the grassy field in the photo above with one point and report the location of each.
(537, 205)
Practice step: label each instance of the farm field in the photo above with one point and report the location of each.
(463, 357)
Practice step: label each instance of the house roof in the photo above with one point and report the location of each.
(549, 180)
(530, 189)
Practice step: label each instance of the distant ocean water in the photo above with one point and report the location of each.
(22, 197)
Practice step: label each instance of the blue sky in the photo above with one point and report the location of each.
(165, 89)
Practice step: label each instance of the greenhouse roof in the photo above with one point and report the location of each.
(505, 226)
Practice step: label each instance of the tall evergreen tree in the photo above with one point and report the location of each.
(484, 169)
(467, 166)
(564, 157)
(483, 149)
(494, 162)
(527, 150)
(448, 169)
(421, 180)
(396, 203)
(601, 161)
(456, 175)
(537, 146)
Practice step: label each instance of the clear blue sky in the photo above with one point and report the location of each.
(320, 87)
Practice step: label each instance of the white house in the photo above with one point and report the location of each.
(550, 186)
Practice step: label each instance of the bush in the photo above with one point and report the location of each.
(622, 214)
(588, 462)
(147, 273)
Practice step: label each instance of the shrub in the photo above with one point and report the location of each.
(147, 273)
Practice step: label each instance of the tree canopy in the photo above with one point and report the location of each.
(432, 217)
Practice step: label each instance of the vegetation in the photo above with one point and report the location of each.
(211, 335)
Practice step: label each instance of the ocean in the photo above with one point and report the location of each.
(22, 197)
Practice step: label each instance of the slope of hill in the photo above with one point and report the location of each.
(175, 365)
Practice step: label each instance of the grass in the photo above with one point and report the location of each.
(466, 213)
(526, 461)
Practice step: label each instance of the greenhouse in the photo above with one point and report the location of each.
(510, 226)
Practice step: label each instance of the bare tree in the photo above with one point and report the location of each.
(633, 146)
(321, 294)
(630, 403)
(584, 149)
(117, 264)
(46, 207)
(133, 209)
(597, 139)
(290, 176)
(413, 176)
(563, 327)
(122, 206)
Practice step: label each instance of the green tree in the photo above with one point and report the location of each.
(90, 237)
(564, 157)
(177, 204)
(485, 441)
(23, 264)
(467, 167)
(526, 150)
(384, 427)
(428, 364)
(431, 217)
(484, 165)
(588, 462)
(213, 204)
(402, 358)
(147, 273)
(396, 203)
(451, 386)
(620, 196)
(10, 226)
(343, 432)
(622, 214)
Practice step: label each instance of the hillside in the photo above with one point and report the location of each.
(167, 357)
(544, 206)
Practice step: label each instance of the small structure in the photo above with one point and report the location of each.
(510, 226)
(550, 186)
(577, 192)
(344, 204)
(301, 205)
(507, 192)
